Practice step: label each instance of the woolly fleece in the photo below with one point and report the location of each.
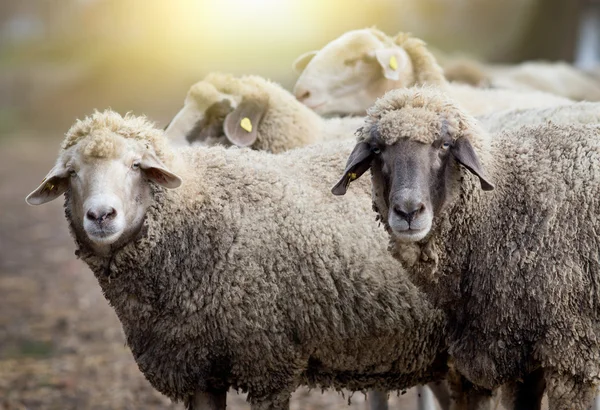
(425, 71)
(516, 269)
(287, 123)
(252, 276)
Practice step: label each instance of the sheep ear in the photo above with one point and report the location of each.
(52, 186)
(391, 60)
(211, 125)
(241, 125)
(358, 162)
(463, 152)
(157, 172)
(301, 62)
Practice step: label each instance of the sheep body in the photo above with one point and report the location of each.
(250, 276)
(558, 78)
(326, 77)
(509, 120)
(516, 269)
(286, 123)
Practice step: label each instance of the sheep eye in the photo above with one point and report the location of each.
(376, 150)
(135, 165)
(445, 145)
(72, 173)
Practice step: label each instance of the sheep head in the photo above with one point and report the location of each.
(221, 109)
(107, 171)
(351, 72)
(416, 144)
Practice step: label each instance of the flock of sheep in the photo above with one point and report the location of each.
(468, 262)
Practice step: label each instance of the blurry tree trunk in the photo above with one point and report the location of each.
(551, 33)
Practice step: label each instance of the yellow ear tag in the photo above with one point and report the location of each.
(49, 186)
(246, 124)
(352, 176)
(393, 63)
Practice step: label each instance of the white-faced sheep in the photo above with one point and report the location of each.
(516, 269)
(249, 276)
(251, 111)
(351, 72)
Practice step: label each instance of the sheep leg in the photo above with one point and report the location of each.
(204, 400)
(280, 401)
(464, 395)
(442, 393)
(565, 392)
(526, 394)
(378, 400)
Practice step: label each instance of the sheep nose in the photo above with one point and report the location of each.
(302, 94)
(409, 211)
(101, 214)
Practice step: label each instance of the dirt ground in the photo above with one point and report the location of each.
(61, 345)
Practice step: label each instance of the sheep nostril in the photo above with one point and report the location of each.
(111, 214)
(99, 216)
(91, 215)
(304, 96)
(400, 212)
(408, 216)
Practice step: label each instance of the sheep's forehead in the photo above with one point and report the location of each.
(413, 123)
(106, 145)
(202, 92)
(217, 87)
(349, 46)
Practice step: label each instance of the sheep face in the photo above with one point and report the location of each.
(107, 179)
(413, 178)
(349, 73)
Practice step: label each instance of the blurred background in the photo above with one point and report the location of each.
(61, 346)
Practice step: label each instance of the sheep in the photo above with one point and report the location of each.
(558, 78)
(215, 110)
(249, 276)
(516, 269)
(285, 124)
(576, 113)
(352, 71)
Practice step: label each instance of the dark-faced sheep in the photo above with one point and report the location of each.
(511, 254)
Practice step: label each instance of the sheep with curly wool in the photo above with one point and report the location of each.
(347, 75)
(250, 111)
(249, 276)
(514, 262)
(282, 123)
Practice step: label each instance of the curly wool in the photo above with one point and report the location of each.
(250, 276)
(516, 268)
(96, 131)
(426, 70)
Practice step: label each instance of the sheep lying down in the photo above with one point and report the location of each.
(501, 233)
(351, 72)
(250, 111)
(236, 268)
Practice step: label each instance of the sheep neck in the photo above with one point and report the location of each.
(428, 261)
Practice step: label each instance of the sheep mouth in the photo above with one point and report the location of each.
(103, 236)
(314, 106)
(410, 234)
